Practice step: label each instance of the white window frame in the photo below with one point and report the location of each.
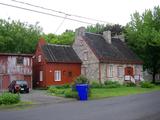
(110, 70)
(85, 54)
(39, 58)
(40, 75)
(120, 71)
(137, 70)
(57, 75)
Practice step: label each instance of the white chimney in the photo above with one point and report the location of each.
(121, 37)
(107, 36)
(80, 31)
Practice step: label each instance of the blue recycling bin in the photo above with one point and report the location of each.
(82, 91)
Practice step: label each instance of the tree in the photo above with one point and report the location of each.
(66, 38)
(115, 29)
(143, 36)
(18, 37)
(98, 28)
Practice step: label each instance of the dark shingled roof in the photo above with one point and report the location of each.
(60, 53)
(117, 51)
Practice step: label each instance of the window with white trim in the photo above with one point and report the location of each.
(39, 58)
(57, 75)
(120, 71)
(41, 76)
(85, 55)
(81, 42)
(137, 70)
(111, 71)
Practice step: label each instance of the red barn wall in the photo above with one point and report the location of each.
(10, 70)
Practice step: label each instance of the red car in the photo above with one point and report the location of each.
(17, 86)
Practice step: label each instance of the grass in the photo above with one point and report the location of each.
(121, 91)
(20, 105)
(98, 93)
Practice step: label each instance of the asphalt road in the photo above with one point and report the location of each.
(134, 107)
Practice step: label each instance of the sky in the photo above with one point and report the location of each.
(110, 11)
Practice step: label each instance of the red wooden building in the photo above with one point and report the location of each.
(54, 64)
(15, 67)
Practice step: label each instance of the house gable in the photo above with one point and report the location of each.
(60, 65)
(81, 47)
(39, 57)
(90, 65)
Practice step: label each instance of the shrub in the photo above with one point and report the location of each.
(146, 85)
(9, 98)
(71, 94)
(51, 89)
(95, 84)
(130, 84)
(60, 86)
(112, 84)
(56, 90)
(81, 80)
(73, 86)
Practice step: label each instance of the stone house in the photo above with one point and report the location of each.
(106, 58)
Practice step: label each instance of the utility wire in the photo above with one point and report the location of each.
(58, 11)
(45, 13)
(60, 24)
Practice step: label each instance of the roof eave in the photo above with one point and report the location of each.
(122, 61)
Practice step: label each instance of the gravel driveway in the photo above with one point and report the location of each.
(42, 97)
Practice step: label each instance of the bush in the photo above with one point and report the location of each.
(147, 85)
(95, 84)
(81, 80)
(56, 90)
(9, 98)
(112, 84)
(130, 84)
(73, 86)
(71, 94)
(60, 86)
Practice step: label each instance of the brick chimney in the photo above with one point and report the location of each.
(41, 42)
(107, 36)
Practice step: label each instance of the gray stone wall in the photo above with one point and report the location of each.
(90, 66)
(105, 74)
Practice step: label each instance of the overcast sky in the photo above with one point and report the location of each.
(111, 11)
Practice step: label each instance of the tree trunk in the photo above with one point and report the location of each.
(153, 77)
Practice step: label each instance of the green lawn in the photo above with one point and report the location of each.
(98, 93)
(20, 105)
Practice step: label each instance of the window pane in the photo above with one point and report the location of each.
(41, 76)
(20, 60)
(57, 75)
(120, 71)
(39, 58)
(111, 70)
(86, 55)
